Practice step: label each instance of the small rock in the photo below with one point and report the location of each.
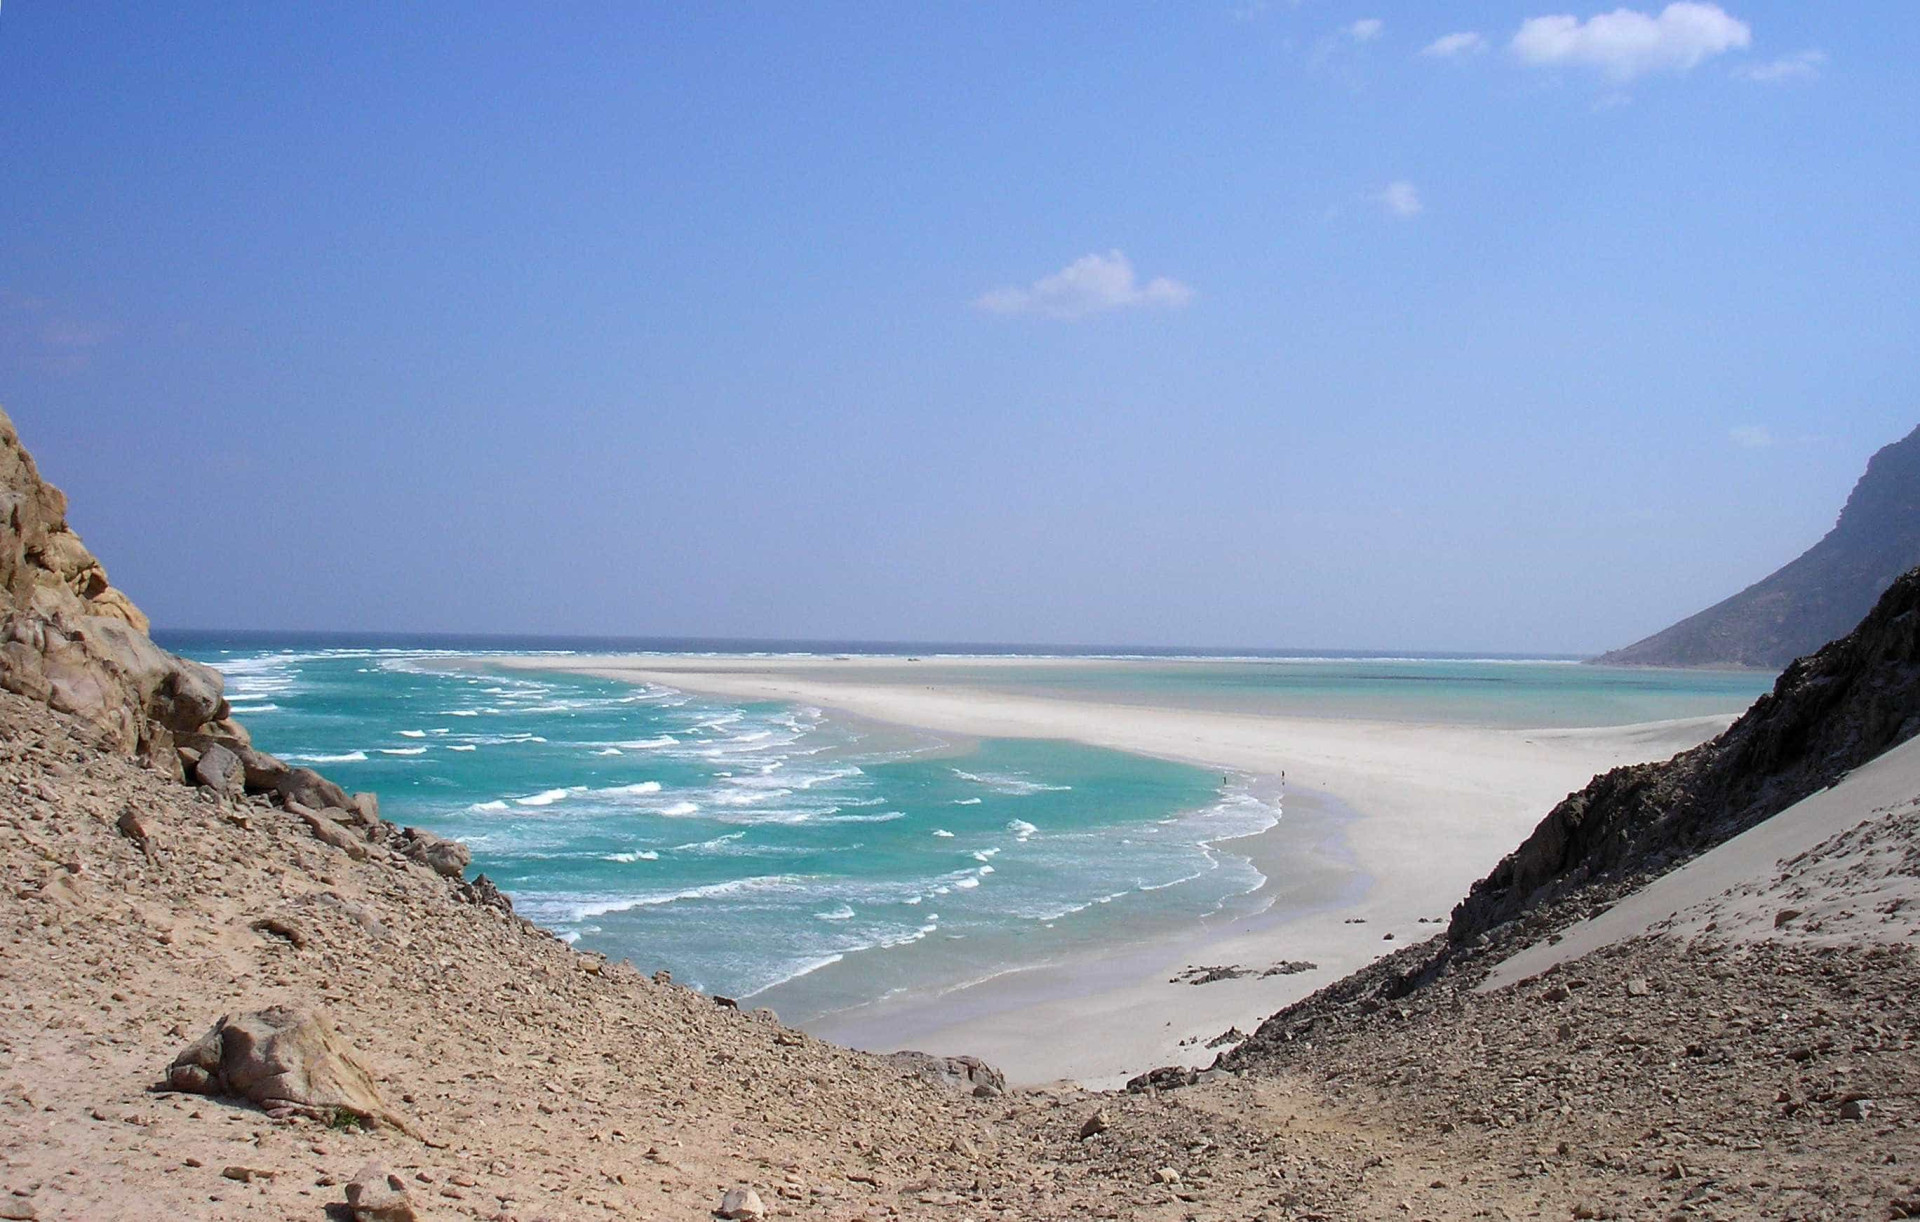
(1557, 993)
(373, 1195)
(1784, 915)
(281, 927)
(246, 1175)
(1637, 987)
(133, 827)
(1099, 1122)
(743, 1204)
(1856, 1109)
(18, 1209)
(1167, 1175)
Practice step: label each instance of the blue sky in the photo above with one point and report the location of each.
(1498, 326)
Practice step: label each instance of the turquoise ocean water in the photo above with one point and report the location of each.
(778, 853)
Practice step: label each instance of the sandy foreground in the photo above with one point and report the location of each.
(1386, 825)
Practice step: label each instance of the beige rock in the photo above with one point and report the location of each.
(376, 1195)
(449, 858)
(308, 788)
(327, 831)
(743, 1204)
(286, 1060)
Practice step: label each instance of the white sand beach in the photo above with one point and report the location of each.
(1386, 825)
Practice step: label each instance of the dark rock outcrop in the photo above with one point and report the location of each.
(1815, 598)
(1827, 714)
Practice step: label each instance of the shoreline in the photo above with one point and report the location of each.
(1387, 822)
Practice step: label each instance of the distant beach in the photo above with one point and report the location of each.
(1386, 823)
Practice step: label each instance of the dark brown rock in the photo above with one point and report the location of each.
(308, 788)
(220, 770)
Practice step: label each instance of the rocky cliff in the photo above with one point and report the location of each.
(1827, 714)
(1817, 597)
(70, 640)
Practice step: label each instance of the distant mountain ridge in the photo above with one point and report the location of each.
(1818, 597)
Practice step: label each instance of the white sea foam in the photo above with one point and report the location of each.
(1021, 829)
(609, 751)
(967, 883)
(712, 891)
(679, 810)
(463, 747)
(626, 858)
(256, 708)
(1009, 784)
(636, 789)
(841, 913)
(709, 846)
(943, 833)
(413, 733)
(648, 744)
(985, 854)
(544, 798)
(402, 750)
(968, 801)
(348, 757)
(888, 817)
(488, 806)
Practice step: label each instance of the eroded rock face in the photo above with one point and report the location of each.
(72, 641)
(287, 1061)
(43, 564)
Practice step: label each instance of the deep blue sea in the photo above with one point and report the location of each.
(780, 854)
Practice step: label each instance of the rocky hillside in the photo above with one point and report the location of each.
(1827, 714)
(234, 992)
(1817, 597)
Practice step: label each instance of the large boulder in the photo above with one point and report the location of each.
(448, 858)
(305, 787)
(288, 1061)
(221, 771)
(969, 1074)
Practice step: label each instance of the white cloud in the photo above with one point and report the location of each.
(1092, 284)
(1366, 29)
(1449, 46)
(1401, 199)
(1788, 69)
(1626, 43)
(1751, 436)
